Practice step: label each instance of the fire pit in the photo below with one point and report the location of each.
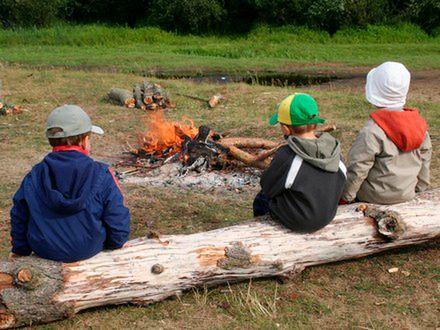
(182, 155)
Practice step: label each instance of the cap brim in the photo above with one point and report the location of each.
(317, 121)
(273, 120)
(97, 130)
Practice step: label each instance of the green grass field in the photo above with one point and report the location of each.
(151, 50)
(358, 294)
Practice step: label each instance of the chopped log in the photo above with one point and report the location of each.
(148, 98)
(214, 100)
(149, 270)
(137, 94)
(122, 97)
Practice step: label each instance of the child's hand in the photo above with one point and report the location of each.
(126, 244)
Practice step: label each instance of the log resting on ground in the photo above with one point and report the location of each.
(33, 290)
(122, 97)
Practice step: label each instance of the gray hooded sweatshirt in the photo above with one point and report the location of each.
(304, 182)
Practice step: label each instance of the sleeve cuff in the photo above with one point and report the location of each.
(23, 251)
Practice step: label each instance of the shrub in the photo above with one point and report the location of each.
(25, 13)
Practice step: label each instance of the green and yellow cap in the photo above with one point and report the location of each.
(296, 110)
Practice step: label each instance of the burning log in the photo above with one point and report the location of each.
(34, 290)
(122, 97)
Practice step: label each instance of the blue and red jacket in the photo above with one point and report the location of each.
(68, 208)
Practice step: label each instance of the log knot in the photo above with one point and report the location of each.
(388, 223)
(26, 278)
(236, 256)
(157, 269)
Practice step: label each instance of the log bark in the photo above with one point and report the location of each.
(122, 97)
(251, 143)
(246, 158)
(33, 290)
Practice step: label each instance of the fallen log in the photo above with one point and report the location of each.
(151, 269)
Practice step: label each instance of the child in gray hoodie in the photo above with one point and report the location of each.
(303, 184)
(390, 158)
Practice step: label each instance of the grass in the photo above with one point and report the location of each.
(150, 50)
(358, 294)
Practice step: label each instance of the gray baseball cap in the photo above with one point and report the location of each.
(72, 120)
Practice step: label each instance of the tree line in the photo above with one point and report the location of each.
(222, 16)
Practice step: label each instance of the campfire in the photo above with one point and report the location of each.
(194, 148)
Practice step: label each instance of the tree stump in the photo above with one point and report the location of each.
(34, 290)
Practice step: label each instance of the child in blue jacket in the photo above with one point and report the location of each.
(68, 207)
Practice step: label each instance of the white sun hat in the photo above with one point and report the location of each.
(387, 85)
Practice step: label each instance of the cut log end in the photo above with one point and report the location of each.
(6, 320)
(6, 281)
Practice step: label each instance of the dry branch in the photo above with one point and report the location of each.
(34, 290)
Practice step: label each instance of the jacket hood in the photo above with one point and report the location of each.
(65, 181)
(323, 152)
(407, 129)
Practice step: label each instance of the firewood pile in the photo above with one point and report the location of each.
(145, 96)
(9, 108)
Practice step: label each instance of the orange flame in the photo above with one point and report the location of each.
(162, 134)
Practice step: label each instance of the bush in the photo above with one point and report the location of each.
(188, 16)
(25, 13)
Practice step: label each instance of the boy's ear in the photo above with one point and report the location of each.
(285, 129)
(85, 143)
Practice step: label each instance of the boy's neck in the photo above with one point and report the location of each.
(307, 135)
(80, 149)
